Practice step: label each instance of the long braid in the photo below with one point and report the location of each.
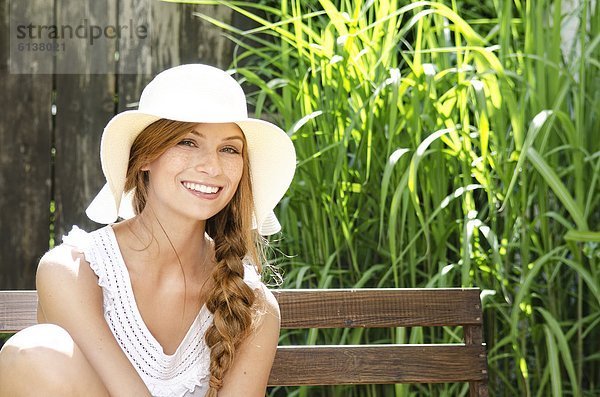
(231, 300)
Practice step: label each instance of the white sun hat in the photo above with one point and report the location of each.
(202, 94)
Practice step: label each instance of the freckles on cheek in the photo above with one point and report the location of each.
(174, 161)
(235, 172)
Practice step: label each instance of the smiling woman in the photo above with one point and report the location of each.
(207, 161)
(168, 301)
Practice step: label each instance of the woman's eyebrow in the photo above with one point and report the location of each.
(234, 137)
(201, 135)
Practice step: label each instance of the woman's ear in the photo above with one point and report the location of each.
(145, 167)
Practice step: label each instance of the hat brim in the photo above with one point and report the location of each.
(272, 161)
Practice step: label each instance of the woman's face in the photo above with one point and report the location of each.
(198, 176)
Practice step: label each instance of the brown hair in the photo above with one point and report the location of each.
(230, 300)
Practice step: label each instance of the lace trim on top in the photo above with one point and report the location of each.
(165, 375)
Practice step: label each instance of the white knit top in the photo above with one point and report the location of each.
(185, 373)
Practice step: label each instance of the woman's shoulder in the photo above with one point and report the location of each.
(269, 304)
(266, 301)
(68, 259)
(67, 289)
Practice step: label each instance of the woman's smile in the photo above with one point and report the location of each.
(209, 192)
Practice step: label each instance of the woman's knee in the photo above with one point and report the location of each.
(42, 357)
(31, 339)
(40, 350)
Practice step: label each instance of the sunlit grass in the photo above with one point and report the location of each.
(442, 144)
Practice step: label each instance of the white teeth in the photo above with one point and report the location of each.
(201, 188)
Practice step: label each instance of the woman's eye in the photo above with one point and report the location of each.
(187, 142)
(230, 150)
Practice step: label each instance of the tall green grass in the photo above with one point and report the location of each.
(442, 144)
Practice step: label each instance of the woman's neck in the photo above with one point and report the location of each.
(166, 245)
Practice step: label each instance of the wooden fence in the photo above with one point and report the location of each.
(51, 124)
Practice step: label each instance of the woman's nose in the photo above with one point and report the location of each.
(208, 163)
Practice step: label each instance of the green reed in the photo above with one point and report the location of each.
(439, 144)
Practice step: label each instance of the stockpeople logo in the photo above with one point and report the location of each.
(85, 31)
(78, 41)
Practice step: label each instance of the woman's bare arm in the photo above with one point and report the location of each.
(253, 360)
(69, 296)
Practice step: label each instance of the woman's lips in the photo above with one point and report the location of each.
(202, 190)
(199, 187)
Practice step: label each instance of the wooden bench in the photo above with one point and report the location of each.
(351, 308)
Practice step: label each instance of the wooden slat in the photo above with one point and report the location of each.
(135, 55)
(84, 104)
(474, 336)
(340, 308)
(17, 310)
(402, 307)
(336, 365)
(202, 41)
(25, 130)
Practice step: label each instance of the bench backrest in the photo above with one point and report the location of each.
(348, 308)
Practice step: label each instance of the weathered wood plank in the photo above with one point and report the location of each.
(17, 310)
(296, 305)
(84, 104)
(179, 37)
(377, 364)
(134, 55)
(201, 40)
(379, 307)
(25, 131)
(474, 336)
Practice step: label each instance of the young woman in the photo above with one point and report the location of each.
(168, 301)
